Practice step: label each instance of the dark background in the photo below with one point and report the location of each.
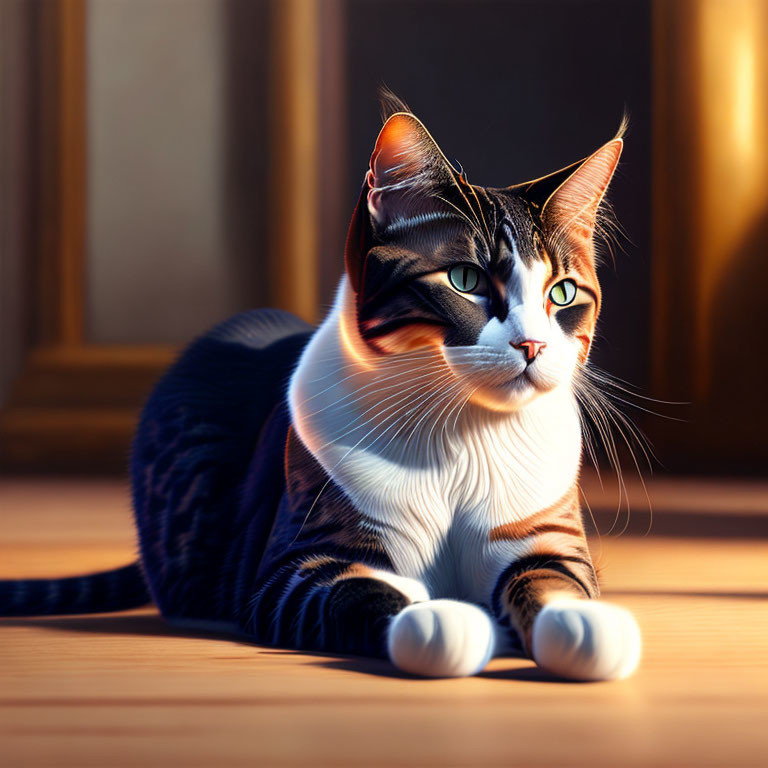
(513, 91)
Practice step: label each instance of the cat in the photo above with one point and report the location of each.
(402, 481)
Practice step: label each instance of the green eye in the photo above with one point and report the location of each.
(563, 293)
(464, 278)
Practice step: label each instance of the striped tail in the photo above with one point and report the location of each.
(115, 590)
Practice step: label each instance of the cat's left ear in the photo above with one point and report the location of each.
(574, 204)
(569, 199)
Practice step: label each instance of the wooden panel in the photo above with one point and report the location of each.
(294, 165)
(75, 408)
(87, 440)
(90, 376)
(61, 278)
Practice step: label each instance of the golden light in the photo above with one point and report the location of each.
(733, 150)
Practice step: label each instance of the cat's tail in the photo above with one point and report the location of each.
(115, 590)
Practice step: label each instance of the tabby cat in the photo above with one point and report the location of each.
(401, 481)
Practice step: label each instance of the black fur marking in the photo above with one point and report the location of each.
(291, 603)
(358, 612)
(396, 324)
(572, 318)
(266, 603)
(514, 578)
(309, 626)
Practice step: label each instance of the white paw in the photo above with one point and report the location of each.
(586, 640)
(441, 638)
(414, 590)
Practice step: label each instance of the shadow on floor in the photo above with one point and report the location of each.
(152, 624)
(381, 668)
(527, 674)
(149, 624)
(364, 666)
(112, 624)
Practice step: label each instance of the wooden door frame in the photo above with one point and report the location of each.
(75, 404)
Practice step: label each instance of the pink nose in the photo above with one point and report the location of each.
(530, 348)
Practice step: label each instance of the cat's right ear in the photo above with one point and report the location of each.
(406, 168)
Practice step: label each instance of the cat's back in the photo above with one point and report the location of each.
(194, 449)
(231, 377)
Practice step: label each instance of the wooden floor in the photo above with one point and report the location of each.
(124, 690)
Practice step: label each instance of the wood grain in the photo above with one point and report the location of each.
(60, 273)
(126, 690)
(294, 191)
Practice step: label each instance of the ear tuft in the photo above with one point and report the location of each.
(391, 104)
(623, 126)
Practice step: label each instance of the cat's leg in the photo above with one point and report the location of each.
(547, 594)
(330, 604)
(548, 599)
(334, 602)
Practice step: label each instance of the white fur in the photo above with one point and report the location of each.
(435, 501)
(414, 590)
(433, 464)
(441, 638)
(527, 319)
(586, 640)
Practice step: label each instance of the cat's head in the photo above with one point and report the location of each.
(501, 282)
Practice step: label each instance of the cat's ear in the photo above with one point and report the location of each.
(574, 204)
(406, 169)
(570, 199)
(406, 166)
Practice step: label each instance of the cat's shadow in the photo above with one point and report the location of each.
(139, 624)
(152, 625)
(381, 668)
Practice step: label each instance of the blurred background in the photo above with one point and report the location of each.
(166, 163)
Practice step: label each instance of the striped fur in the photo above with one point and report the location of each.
(557, 562)
(403, 480)
(96, 593)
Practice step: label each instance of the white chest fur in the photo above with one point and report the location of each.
(434, 505)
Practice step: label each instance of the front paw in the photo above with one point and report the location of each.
(441, 638)
(586, 640)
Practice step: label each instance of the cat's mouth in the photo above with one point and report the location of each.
(540, 381)
(525, 379)
(496, 381)
(519, 381)
(514, 391)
